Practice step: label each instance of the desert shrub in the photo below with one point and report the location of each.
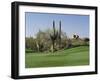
(80, 42)
(86, 41)
(30, 43)
(28, 51)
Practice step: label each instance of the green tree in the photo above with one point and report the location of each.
(30, 44)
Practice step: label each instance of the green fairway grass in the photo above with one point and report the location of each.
(67, 57)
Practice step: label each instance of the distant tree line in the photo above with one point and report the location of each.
(51, 40)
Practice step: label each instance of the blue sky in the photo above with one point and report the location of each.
(71, 24)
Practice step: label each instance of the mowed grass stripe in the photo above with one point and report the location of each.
(68, 57)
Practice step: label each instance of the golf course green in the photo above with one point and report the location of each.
(76, 56)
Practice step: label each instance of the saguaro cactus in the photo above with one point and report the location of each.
(59, 35)
(53, 36)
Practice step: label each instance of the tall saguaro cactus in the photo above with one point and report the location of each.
(59, 35)
(53, 36)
